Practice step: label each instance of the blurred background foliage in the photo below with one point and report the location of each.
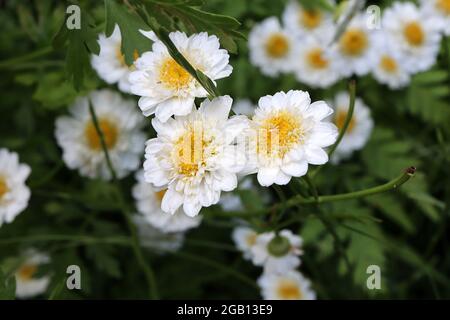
(404, 232)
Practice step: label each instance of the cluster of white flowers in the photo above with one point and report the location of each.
(279, 255)
(406, 42)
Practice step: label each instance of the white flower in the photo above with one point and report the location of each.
(121, 125)
(439, 11)
(317, 64)
(148, 202)
(165, 87)
(245, 239)
(287, 133)
(390, 68)
(291, 285)
(153, 238)
(194, 157)
(356, 48)
(110, 63)
(27, 285)
(413, 34)
(14, 194)
(262, 256)
(271, 47)
(244, 106)
(359, 129)
(303, 21)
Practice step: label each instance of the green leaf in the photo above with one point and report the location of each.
(7, 286)
(133, 42)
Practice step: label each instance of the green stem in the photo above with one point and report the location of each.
(149, 274)
(312, 186)
(63, 237)
(29, 56)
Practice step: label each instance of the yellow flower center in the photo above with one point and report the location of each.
(251, 239)
(26, 272)
(173, 75)
(388, 64)
(414, 34)
(316, 59)
(288, 290)
(354, 42)
(277, 46)
(3, 187)
(190, 151)
(278, 134)
(310, 19)
(339, 120)
(160, 194)
(110, 134)
(121, 57)
(444, 5)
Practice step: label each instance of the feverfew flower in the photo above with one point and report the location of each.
(165, 87)
(286, 133)
(413, 34)
(439, 11)
(110, 63)
(271, 47)
(356, 48)
(390, 68)
(280, 258)
(154, 239)
(148, 202)
(317, 63)
(359, 129)
(27, 285)
(245, 107)
(121, 125)
(194, 157)
(291, 285)
(245, 239)
(302, 21)
(14, 194)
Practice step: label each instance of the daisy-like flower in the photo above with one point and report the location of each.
(317, 63)
(194, 157)
(302, 21)
(245, 107)
(154, 239)
(148, 202)
(165, 87)
(359, 130)
(110, 64)
(245, 239)
(27, 284)
(439, 10)
(356, 48)
(390, 69)
(14, 194)
(277, 254)
(291, 285)
(121, 124)
(286, 133)
(414, 34)
(271, 47)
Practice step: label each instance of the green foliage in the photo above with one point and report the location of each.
(7, 286)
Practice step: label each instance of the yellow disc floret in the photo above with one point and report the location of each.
(3, 187)
(444, 5)
(277, 46)
(316, 59)
(354, 42)
(388, 64)
(310, 19)
(27, 271)
(414, 34)
(110, 134)
(173, 75)
(339, 120)
(288, 290)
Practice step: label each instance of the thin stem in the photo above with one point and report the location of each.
(149, 274)
(312, 186)
(29, 56)
(63, 237)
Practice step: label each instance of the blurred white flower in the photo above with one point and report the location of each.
(148, 202)
(14, 194)
(27, 285)
(359, 130)
(301, 21)
(121, 124)
(291, 285)
(286, 133)
(195, 157)
(271, 47)
(165, 87)
(245, 239)
(110, 63)
(262, 254)
(245, 107)
(355, 48)
(439, 11)
(412, 33)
